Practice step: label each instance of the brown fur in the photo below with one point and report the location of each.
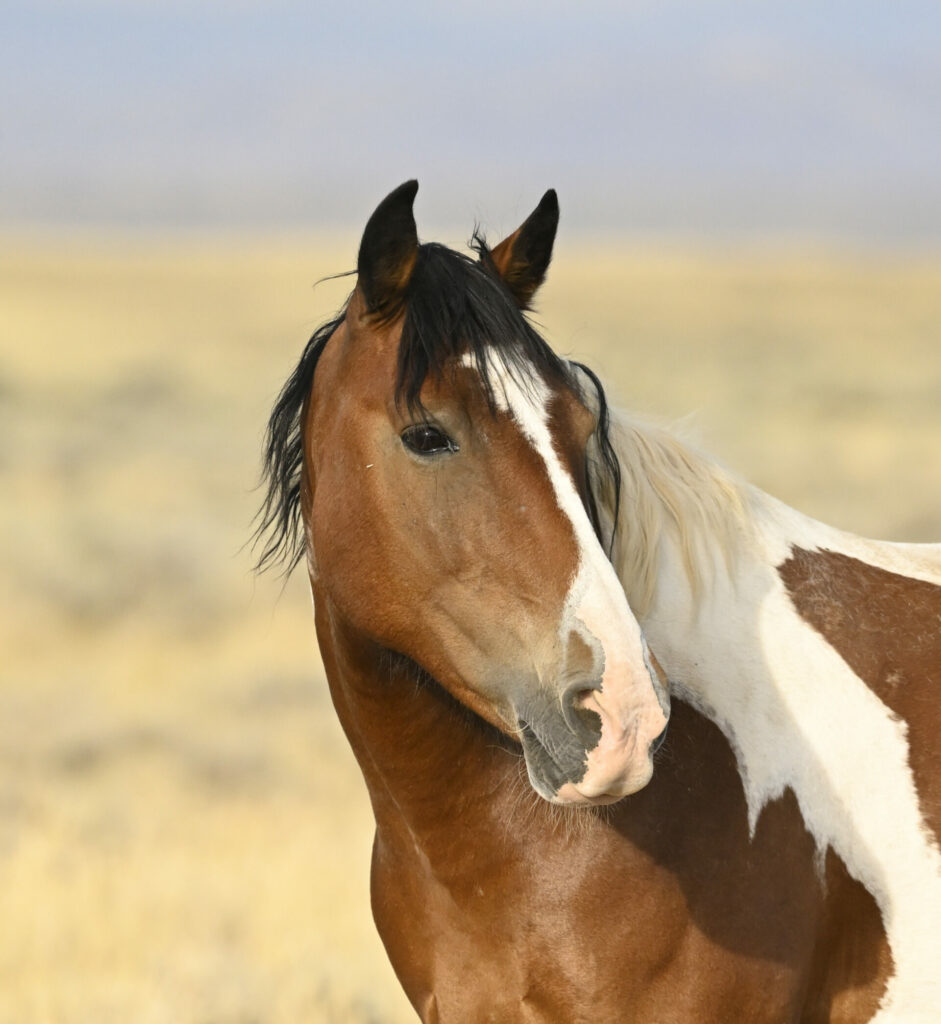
(407, 583)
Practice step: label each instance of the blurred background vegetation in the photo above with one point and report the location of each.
(751, 234)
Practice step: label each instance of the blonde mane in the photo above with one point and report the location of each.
(669, 491)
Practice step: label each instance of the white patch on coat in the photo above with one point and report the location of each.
(798, 717)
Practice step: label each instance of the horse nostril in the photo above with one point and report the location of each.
(581, 716)
(658, 742)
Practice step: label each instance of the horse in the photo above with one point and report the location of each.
(643, 745)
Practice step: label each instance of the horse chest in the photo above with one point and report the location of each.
(534, 963)
(570, 939)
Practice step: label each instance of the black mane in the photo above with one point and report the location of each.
(454, 307)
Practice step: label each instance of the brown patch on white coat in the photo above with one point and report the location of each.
(887, 628)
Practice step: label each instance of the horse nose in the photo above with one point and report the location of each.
(658, 742)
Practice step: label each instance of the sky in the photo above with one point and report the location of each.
(695, 119)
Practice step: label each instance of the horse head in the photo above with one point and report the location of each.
(448, 473)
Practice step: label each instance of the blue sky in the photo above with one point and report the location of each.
(696, 119)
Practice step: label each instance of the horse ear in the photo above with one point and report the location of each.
(522, 258)
(388, 250)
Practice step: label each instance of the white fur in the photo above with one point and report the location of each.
(794, 712)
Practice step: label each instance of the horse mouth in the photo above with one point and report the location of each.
(564, 770)
(550, 770)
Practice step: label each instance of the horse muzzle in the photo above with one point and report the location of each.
(583, 750)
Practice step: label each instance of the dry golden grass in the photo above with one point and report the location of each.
(183, 834)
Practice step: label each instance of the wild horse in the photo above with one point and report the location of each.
(488, 548)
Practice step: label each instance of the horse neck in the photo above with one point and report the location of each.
(427, 762)
(739, 641)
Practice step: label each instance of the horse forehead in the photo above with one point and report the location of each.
(540, 409)
(367, 354)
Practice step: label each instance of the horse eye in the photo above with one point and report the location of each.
(427, 439)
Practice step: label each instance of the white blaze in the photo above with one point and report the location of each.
(596, 606)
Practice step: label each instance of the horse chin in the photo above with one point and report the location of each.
(568, 796)
(584, 794)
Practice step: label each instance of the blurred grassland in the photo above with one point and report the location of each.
(184, 836)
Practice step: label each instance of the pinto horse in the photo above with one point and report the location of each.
(488, 549)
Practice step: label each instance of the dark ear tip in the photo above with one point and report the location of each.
(549, 203)
(403, 196)
(405, 193)
(408, 189)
